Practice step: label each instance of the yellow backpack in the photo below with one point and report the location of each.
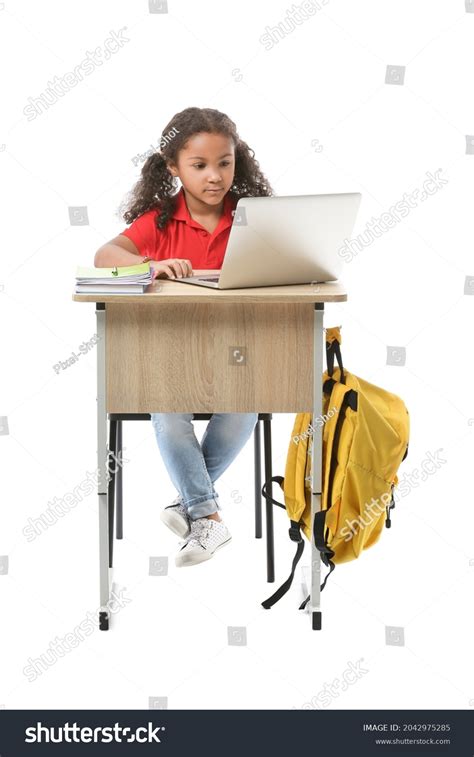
(365, 438)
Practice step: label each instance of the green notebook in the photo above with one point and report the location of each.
(132, 272)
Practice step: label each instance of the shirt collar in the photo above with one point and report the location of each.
(181, 212)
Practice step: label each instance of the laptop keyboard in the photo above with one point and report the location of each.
(209, 278)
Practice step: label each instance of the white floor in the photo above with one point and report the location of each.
(198, 637)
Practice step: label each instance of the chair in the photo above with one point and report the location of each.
(115, 484)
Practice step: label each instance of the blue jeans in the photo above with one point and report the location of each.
(193, 467)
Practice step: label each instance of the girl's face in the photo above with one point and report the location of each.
(206, 167)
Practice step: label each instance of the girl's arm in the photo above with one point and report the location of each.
(119, 251)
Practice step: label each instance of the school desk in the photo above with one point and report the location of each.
(180, 348)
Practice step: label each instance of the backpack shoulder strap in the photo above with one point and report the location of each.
(278, 480)
(295, 535)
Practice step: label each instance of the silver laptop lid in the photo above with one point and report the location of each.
(288, 240)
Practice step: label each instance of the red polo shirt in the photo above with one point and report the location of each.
(183, 237)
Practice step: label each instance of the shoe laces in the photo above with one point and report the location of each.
(199, 530)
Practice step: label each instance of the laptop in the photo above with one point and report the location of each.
(275, 241)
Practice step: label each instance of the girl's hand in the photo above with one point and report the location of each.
(171, 268)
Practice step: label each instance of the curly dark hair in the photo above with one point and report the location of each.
(156, 189)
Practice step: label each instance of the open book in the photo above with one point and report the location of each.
(130, 279)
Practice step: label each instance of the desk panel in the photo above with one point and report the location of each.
(179, 357)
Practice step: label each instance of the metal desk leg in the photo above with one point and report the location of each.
(119, 483)
(258, 481)
(112, 472)
(316, 463)
(102, 453)
(267, 440)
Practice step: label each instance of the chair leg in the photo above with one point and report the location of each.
(111, 486)
(119, 485)
(258, 482)
(267, 439)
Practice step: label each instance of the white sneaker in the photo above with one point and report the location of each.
(205, 538)
(175, 516)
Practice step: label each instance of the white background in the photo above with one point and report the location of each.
(323, 81)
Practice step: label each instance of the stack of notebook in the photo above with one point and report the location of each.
(132, 279)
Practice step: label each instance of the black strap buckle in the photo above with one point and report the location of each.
(295, 531)
(390, 506)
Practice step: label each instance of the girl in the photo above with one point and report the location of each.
(177, 231)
